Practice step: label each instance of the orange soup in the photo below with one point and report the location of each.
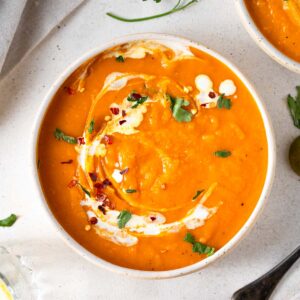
(152, 156)
(279, 21)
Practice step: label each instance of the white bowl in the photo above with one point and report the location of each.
(262, 41)
(241, 233)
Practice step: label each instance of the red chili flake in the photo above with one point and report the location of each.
(106, 182)
(212, 95)
(153, 218)
(93, 220)
(67, 162)
(123, 113)
(108, 203)
(69, 90)
(98, 186)
(122, 122)
(107, 139)
(136, 96)
(101, 197)
(203, 105)
(93, 176)
(72, 183)
(102, 209)
(80, 140)
(124, 171)
(114, 110)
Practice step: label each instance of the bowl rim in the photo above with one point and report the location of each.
(234, 240)
(262, 41)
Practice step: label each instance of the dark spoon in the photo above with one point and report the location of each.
(262, 288)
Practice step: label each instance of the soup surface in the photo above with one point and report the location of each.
(279, 21)
(152, 155)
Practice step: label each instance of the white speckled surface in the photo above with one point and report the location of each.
(62, 274)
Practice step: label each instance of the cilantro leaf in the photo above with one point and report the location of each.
(9, 221)
(59, 135)
(294, 106)
(198, 193)
(224, 102)
(123, 218)
(222, 153)
(197, 246)
(180, 114)
(120, 58)
(91, 127)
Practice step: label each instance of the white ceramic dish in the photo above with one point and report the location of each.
(242, 232)
(262, 41)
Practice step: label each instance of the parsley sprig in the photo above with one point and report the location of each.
(294, 106)
(178, 7)
(180, 114)
(199, 247)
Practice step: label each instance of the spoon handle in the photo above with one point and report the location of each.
(262, 288)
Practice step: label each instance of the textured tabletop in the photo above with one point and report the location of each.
(61, 274)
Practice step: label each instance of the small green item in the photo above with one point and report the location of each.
(9, 221)
(59, 135)
(123, 218)
(197, 246)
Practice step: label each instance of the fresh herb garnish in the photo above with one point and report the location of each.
(91, 126)
(123, 218)
(120, 58)
(294, 155)
(9, 221)
(198, 193)
(180, 114)
(175, 9)
(224, 102)
(84, 189)
(59, 135)
(294, 106)
(197, 246)
(222, 153)
(130, 191)
(137, 98)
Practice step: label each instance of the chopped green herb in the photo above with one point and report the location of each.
(180, 114)
(175, 9)
(91, 126)
(123, 218)
(137, 98)
(130, 191)
(120, 58)
(222, 153)
(294, 106)
(224, 102)
(84, 190)
(9, 221)
(199, 247)
(189, 238)
(59, 135)
(198, 193)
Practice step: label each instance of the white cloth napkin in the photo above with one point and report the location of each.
(25, 23)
